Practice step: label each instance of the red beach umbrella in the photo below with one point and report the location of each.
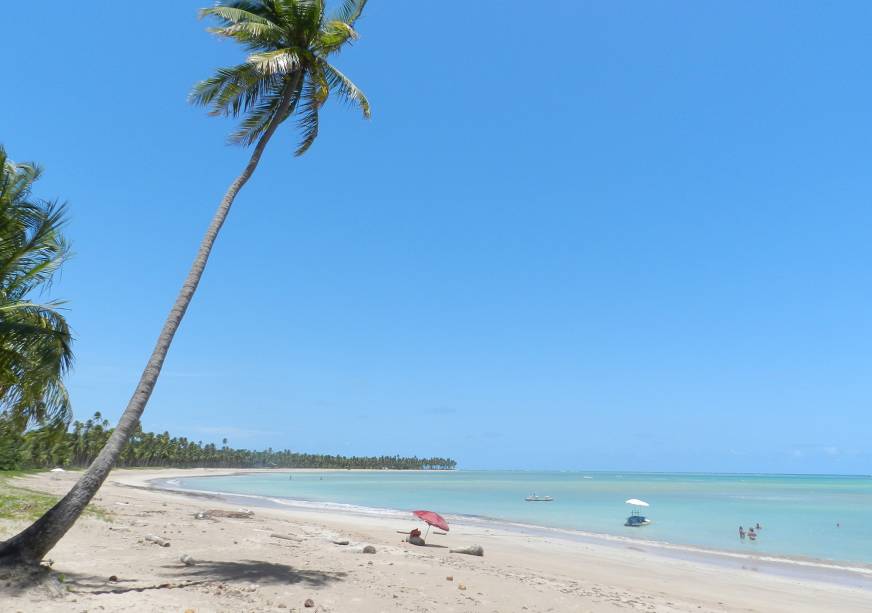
(431, 518)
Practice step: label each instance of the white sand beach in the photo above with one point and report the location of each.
(240, 565)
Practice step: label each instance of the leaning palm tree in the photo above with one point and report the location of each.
(35, 340)
(287, 74)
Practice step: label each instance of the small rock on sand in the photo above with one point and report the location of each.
(369, 549)
(449, 578)
(461, 586)
(309, 603)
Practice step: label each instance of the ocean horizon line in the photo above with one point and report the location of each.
(590, 470)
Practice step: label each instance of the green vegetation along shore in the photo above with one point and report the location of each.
(17, 503)
(77, 447)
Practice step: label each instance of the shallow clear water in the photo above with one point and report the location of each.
(798, 513)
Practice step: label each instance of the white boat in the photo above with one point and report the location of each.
(534, 498)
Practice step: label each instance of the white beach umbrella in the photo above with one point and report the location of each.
(636, 502)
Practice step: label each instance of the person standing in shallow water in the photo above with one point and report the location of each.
(741, 533)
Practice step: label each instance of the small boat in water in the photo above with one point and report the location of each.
(534, 498)
(636, 519)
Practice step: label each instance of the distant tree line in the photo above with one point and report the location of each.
(56, 445)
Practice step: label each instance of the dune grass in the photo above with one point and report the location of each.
(18, 503)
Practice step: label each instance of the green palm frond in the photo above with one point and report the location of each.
(31, 246)
(247, 23)
(35, 353)
(315, 94)
(35, 340)
(349, 11)
(233, 90)
(304, 17)
(16, 179)
(252, 35)
(335, 35)
(235, 13)
(257, 119)
(289, 41)
(277, 62)
(346, 88)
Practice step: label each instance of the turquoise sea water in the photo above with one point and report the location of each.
(798, 513)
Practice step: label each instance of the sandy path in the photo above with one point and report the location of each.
(241, 567)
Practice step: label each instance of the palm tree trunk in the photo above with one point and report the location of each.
(30, 545)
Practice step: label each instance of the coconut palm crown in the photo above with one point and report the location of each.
(35, 340)
(287, 72)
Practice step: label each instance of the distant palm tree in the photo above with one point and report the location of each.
(286, 74)
(35, 340)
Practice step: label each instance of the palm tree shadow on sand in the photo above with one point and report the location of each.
(256, 571)
(18, 580)
(41, 579)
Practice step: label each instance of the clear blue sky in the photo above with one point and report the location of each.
(574, 234)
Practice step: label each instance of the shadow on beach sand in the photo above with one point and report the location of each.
(15, 580)
(57, 584)
(256, 571)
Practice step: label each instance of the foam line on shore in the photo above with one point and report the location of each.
(855, 574)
